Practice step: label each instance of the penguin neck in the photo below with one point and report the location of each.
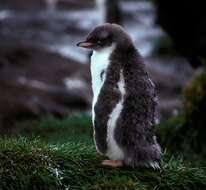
(100, 61)
(106, 50)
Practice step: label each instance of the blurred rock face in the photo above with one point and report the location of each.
(22, 4)
(74, 4)
(109, 11)
(45, 4)
(35, 81)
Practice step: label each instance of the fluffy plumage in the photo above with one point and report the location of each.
(125, 107)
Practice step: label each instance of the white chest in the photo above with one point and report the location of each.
(114, 152)
(99, 64)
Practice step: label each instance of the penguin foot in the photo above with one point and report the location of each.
(112, 163)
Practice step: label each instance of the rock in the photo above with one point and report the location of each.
(36, 81)
(170, 75)
(23, 5)
(74, 4)
(46, 4)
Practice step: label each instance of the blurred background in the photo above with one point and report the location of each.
(44, 77)
(45, 92)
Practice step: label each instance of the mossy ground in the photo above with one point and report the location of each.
(177, 139)
(194, 107)
(64, 157)
(186, 133)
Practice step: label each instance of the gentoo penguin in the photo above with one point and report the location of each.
(124, 100)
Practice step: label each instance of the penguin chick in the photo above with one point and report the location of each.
(124, 100)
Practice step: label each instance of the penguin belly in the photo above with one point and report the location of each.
(99, 64)
(114, 152)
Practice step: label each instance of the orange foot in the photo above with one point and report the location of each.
(112, 163)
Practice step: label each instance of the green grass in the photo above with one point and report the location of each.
(76, 128)
(63, 157)
(32, 164)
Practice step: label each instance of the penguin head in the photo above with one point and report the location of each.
(104, 36)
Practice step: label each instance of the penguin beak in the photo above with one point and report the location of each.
(85, 44)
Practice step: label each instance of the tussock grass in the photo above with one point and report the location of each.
(32, 164)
